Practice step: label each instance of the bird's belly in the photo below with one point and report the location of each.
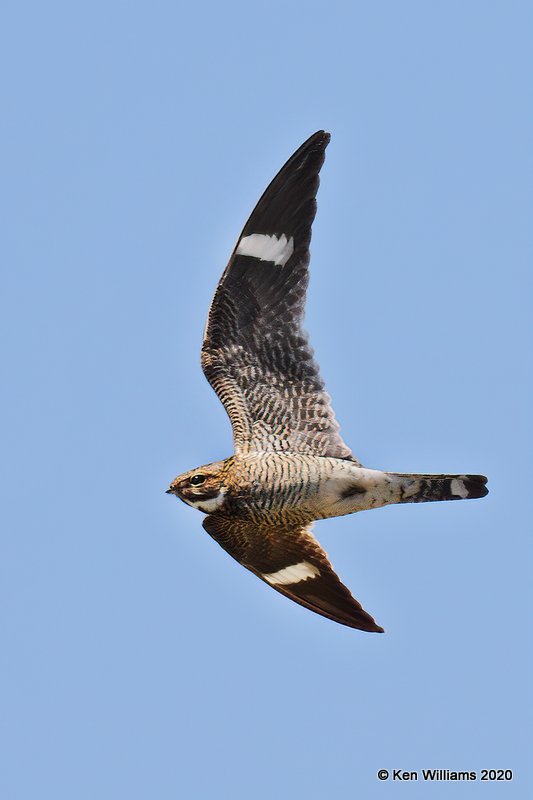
(348, 489)
(294, 488)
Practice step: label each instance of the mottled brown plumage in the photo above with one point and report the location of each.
(291, 465)
(255, 354)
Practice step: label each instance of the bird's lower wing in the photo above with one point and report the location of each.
(290, 559)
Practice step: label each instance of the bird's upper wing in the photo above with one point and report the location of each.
(290, 559)
(255, 354)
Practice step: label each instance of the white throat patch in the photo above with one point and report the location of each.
(267, 248)
(209, 505)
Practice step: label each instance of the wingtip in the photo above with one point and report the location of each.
(374, 628)
(321, 138)
(317, 141)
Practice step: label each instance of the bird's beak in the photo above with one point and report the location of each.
(170, 491)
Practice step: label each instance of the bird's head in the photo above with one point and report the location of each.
(203, 488)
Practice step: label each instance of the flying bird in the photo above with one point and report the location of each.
(291, 465)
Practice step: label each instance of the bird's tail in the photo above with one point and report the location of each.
(427, 488)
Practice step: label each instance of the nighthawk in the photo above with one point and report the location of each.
(291, 466)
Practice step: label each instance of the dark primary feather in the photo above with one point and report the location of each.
(255, 354)
(266, 549)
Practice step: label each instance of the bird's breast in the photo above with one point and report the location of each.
(275, 486)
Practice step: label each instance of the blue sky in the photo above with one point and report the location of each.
(138, 660)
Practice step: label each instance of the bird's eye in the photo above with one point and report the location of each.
(197, 480)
